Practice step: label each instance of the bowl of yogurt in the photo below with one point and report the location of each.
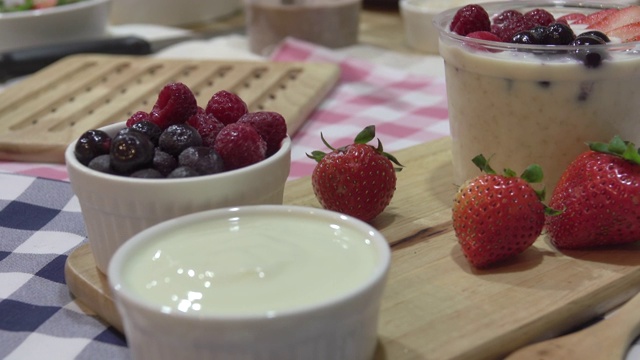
(256, 282)
(537, 103)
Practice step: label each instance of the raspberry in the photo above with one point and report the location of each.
(207, 125)
(270, 125)
(540, 17)
(469, 19)
(507, 15)
(507, 30)
(137, 117)
(240, 145)
(483, 35)
(176, 103)
(226, 107)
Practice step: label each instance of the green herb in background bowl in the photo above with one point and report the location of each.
(22, 5)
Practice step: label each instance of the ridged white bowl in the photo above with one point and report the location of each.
(115, 208)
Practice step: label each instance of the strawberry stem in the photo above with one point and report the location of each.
(483, 164)
(363, 137)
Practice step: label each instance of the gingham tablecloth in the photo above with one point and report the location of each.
(41, 224)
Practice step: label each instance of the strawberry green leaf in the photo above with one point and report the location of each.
(533, 174)
(618, 147)
(316, 155)
(631, 154)
(508, 172)
(366, 135)
(483, 164)
(551, 211)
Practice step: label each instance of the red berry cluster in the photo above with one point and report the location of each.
(178, 138)
(472, 19)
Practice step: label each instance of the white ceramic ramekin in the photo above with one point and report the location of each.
(339, 326)
(115, 208)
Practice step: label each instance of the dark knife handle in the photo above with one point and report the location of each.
(29, 60)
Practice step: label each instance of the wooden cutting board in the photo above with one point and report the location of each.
(40, 115)
(435, 306)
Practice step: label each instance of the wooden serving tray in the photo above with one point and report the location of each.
(41, 115)
(435, 305)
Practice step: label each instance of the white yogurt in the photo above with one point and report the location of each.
(522, 107)
(250, 265)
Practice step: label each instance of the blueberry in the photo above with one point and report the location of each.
(164, 162)
(591, 57)
(91, 144)
(598, 34)
(131, 151)
(558, 34)
(151, 130)
(587, 40)
(202, 159)
(101, 163)
(525, 37)
(178, 137)
(182, 172)
(147, 173)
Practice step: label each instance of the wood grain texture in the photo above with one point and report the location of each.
(435, 305)
(42, 114)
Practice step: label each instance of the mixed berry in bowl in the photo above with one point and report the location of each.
(580, 34)
(178, 138)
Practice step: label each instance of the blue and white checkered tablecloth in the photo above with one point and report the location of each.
(40, 225)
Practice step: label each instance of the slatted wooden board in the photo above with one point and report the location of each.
(435, 305)
(42, 114)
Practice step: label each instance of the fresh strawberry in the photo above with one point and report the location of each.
(358, 179)
(617, 19)
(498, 216)
(571, 18)
(596, 16)
(627, 33)
(600, 194)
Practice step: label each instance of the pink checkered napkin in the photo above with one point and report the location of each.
(406, 109)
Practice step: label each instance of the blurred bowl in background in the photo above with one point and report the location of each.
(82, 20)
(170, 12)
